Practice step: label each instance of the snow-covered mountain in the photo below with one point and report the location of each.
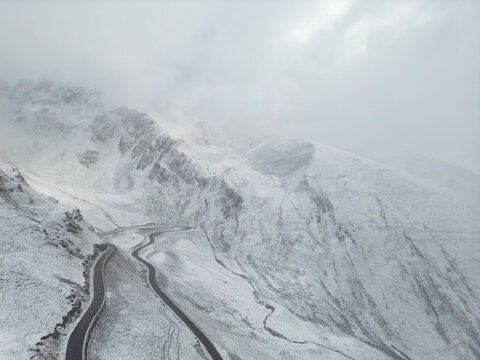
(46, 252)
(342, 252)
(464, 183)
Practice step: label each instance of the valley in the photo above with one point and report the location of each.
(282, 249)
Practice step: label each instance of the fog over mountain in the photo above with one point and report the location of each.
(235, 180)
(373, 77)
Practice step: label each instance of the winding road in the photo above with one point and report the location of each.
(77, 343)
(151, 278)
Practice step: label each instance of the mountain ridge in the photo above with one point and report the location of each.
(350, 248)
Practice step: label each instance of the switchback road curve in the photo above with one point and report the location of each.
(151, 278)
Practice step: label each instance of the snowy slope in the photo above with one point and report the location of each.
(384, 259)
(46, 254)
(344, 251)
(462, 182)
(140, 326)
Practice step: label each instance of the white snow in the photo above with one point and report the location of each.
(354, 255)
(41, 272)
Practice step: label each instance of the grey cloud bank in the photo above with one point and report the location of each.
(374, 77)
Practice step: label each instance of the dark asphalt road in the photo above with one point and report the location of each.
(77, 343)
(151, 278)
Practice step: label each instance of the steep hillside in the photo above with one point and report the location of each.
(341, 250)
(461, 181)
(45, 259)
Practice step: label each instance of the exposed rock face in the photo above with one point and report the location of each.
(88, 157)
(356, 252)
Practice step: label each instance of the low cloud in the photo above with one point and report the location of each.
(374, 77)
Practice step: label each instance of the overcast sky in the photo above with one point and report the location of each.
(370, 76)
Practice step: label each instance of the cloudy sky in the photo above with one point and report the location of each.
(370, 76)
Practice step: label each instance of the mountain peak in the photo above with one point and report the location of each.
(46, 94)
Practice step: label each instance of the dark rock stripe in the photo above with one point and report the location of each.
(77, 343)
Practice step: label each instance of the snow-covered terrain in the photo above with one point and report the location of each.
(347, 257)
(462, 182)
(135, 323)
(227, 306)
(46, 254)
